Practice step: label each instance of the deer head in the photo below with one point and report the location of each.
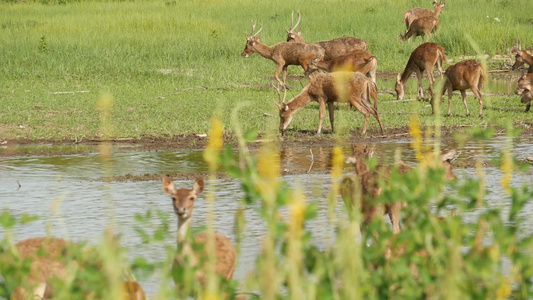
(399, 87)
(251, 40)
(520, 54)
(183, 199)
(291, 35)
(285, 115)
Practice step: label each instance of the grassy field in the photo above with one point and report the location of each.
(171, 66)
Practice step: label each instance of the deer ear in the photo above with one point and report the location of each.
(168, 185)
(258, 38)
(399, 77)
(449, 155)
(284, 107)
(198, 185)
(299, 32)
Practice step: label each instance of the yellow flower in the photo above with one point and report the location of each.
(337, 162)
(214, 144)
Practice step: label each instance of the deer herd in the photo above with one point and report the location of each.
(339, 70)
(350, 54)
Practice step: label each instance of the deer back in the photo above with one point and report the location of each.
(343, 45)
(462, 73)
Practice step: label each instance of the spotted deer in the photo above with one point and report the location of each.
(282, 54)
(524, 88)
(424, 57)
(467, 74)
(50, 259)
(333, 48)
(412, 14)
(327, 88)
(421, 26)
(355, 61)
(183, 202)
(364, 185)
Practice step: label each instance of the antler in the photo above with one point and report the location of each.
(252, 35)
(509, 52)
(292, 21)
(281, 100)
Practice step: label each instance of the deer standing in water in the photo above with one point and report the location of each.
(183, 201)
(421, 26)
(327, 88)
(49, 259)
(467, 74)
(282, 54)
(424, 57)
(412, 14)
(364, 185)
(523, 88)
(333, 48)
(355, 61)
(522, 57)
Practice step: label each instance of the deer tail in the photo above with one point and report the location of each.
(442, 56)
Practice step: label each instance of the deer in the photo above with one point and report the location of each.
(364, 185)
(522, 57)
(421, 26)
(333, 48)
(282, 54)
(424, 57)
(47, 255)
(412, 14)
(183, 202)
(355, 61)
(327, 88)
(467, 74)
(523, 88)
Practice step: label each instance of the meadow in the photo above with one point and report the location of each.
(169, 66)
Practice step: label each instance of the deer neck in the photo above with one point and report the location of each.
(300, 101)
(263, 50)
(183, 228)
(527, 57)
(406, 73)
(324, 65)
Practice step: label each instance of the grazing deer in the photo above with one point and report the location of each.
(355, 61)
(364, 185)
(524, 87)
(48, 261)
(522, 57)
(421, 26)
(412, 14)
(424, 57)
(327, 88)
(467, 74)
(333, 48)
(282, 54)
(183, 202)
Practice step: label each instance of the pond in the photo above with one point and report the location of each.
(72, 201)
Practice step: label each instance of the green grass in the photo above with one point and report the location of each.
(171, 67)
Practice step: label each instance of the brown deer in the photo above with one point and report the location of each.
(49, 260)
(523, 88)
(183, 202)
(333, 48)
(424, 57)
(364, 186)
(327, 88)
(412, 14)
(421, 26)
(282, 54)
(467, 74)
(522, 57)
(355, 61)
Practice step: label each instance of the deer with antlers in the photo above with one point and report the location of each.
(421, 26)
(282, 54)
(523, 88)
(355, 61)
(183, 202)
(424, 57)
(522, 57)
(412, 14)
(467, 74)
(364, 186)
(327, 88)
(333, 48)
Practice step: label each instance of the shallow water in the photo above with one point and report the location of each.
(85, 204)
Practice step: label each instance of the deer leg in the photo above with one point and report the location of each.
(331, 115)
(463, 95)
(279, 68)
(420, 95)
(528, 106)
(450, 93)
(394, 216)
(479, 97)
(321, 111)
(429, 71)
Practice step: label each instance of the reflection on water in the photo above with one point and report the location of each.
(85, 204)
